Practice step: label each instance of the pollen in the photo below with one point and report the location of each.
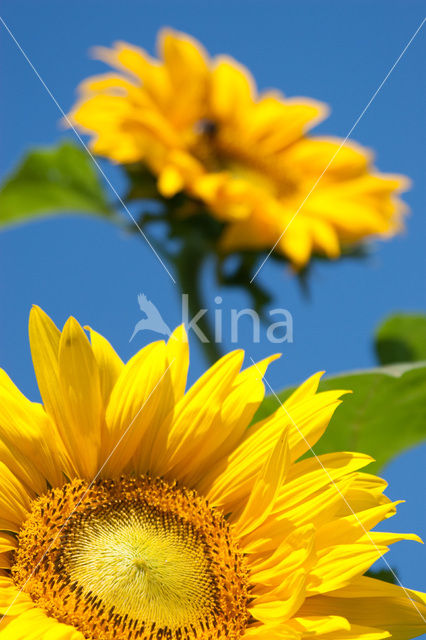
(133, 558)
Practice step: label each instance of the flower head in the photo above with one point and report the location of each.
(130, 508)
(200, 126)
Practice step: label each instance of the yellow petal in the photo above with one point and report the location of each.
(15, 499)
(335, 628)
(170, 181)
(7, 542)
(34, 624)
(5, 560)
(306, 421)
(184, 56)
(325, 238)
(309, 420)
(139, 401)
(232, 89)
(275, 123)
(318, 626)
(358, 632)
(109, 363)
(314, 474)
(365, 492)
(266, 488)
(195, 420)
(385, 538)
(29, 443)
(374, 603)
(236, 414)
(107, 82)
(294, 553)
(154, 441)
(310, 156)
(305, 390)
(271, 632)
(185, 62)
(281, 603)
(178, 358)
(81, 397)
(319, 508)
(337, 565)
(44, 342)
(132, 59)
(295, 241)
(352, 527)
(12, 601)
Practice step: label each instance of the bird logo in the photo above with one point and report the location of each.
(153, 321)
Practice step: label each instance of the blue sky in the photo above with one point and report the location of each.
(335, 52)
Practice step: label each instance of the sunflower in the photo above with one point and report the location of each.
(131, 509)
(200, 127)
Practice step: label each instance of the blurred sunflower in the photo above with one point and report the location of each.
(199, 126)
(194, 527)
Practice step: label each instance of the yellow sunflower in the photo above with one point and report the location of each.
(131, 509)
(201, 127)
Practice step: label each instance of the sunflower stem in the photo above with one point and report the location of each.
(189, 265)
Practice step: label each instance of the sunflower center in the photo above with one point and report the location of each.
(219, 149)
(133, 558)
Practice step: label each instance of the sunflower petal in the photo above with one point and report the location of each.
(109, 363)
(178, 358)
(29, 443)
(81, 397)
(139, 400)
(34, 624)
(373, 603)
(195, 420)
(15, 499)
(265, 489)
(13, 601)
(44, 342)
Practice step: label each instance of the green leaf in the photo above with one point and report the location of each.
(386, 575)
(385, 414)
(142, 183)
(402, 338)
(56, 180)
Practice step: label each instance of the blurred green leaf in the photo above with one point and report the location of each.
(402, 338)
(55, 180)
(142, 183)
(385, 415)
(386, 575)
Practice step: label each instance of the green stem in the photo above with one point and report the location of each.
(189, 263)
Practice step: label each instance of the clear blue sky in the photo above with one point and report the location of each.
(337, 52)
